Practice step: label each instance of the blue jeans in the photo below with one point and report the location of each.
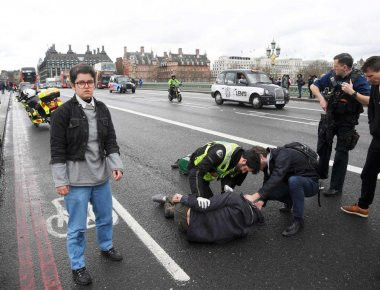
(299, 91)
(76, 203)
(294, 193)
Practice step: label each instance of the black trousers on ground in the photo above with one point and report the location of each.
(369, 174)
(339, 169)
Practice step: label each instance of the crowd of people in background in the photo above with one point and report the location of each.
(9, 86)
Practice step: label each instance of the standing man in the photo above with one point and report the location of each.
(371, 69)
(290, 175)
(300, 84)
(348, 90)
(84, 151)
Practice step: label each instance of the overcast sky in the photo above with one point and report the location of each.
(303, 29)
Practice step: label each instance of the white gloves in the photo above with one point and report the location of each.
(203, 202)
(228, 189)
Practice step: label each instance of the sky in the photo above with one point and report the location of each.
(303, 29)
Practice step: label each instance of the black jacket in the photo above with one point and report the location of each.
(228, 217)
(283, 163)
(374, 112)
(69, 132)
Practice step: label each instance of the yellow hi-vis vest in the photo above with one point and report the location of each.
(221, 170)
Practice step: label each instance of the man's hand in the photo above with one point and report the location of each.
(259, 204)
(176, 198)
(348, 88)
(62, 190)
(256, 196)
(117, 175)
(203, 202)
(323, 104)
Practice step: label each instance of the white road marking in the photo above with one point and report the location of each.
(278, 119)
(170, 265)
(350, 168)
(286, 116)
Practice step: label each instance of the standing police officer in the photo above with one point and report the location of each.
(371, 69)
(348, 89)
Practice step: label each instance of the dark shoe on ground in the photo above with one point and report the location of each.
(293, 229)
(82, 276)
(175, 164)
(112, 254)
(160, 198)
(355, 210)
(168, 208)
(331, 192)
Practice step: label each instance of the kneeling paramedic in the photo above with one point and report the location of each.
(219, 160)
(290, 175)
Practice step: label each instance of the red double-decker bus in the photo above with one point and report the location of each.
(28, 75)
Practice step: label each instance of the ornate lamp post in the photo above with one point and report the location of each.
(273, 52)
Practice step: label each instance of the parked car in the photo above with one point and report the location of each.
(121, 84)
(248, 86)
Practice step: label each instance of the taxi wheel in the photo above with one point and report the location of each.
(256, 102)
(218, 99)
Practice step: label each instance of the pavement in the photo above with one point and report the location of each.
(334, 251)
(4, 102)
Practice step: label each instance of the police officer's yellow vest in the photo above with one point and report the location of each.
(221, 170)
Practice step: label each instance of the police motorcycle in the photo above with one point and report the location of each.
(40, 105)
(175, 93)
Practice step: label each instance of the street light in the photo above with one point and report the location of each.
(273, 52)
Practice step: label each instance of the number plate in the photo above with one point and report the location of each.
(280, 102)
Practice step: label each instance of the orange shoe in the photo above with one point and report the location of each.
(356, 210)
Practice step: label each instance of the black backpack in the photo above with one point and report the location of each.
(305, 150)
(311, 155)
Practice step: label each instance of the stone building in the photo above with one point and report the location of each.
(150, 67)
(55, 62)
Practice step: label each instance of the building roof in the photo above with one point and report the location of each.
(88, 56)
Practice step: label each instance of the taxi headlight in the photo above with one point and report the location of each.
(266, 92)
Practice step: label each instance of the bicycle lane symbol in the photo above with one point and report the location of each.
(57, 224)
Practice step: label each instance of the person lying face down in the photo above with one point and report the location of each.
(220, 219)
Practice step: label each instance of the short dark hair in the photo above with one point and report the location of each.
(344, 58)
(253, 160)
(372, 63)
(260, 150)
(81, 68)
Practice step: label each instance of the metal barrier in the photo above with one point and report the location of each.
(206, 88)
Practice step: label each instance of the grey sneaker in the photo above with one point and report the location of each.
(160, 198)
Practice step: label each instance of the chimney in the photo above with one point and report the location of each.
(103, 48)
(94, 51)
(98, 50)
(165, 54)
(53, 46)
(142, 49)
(180, 51)
(197, 52)
(125, 49)
(69, 46)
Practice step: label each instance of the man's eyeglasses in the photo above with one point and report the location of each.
(82, 84)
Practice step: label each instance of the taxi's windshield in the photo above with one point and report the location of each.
(123, 80)
(258, 78)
